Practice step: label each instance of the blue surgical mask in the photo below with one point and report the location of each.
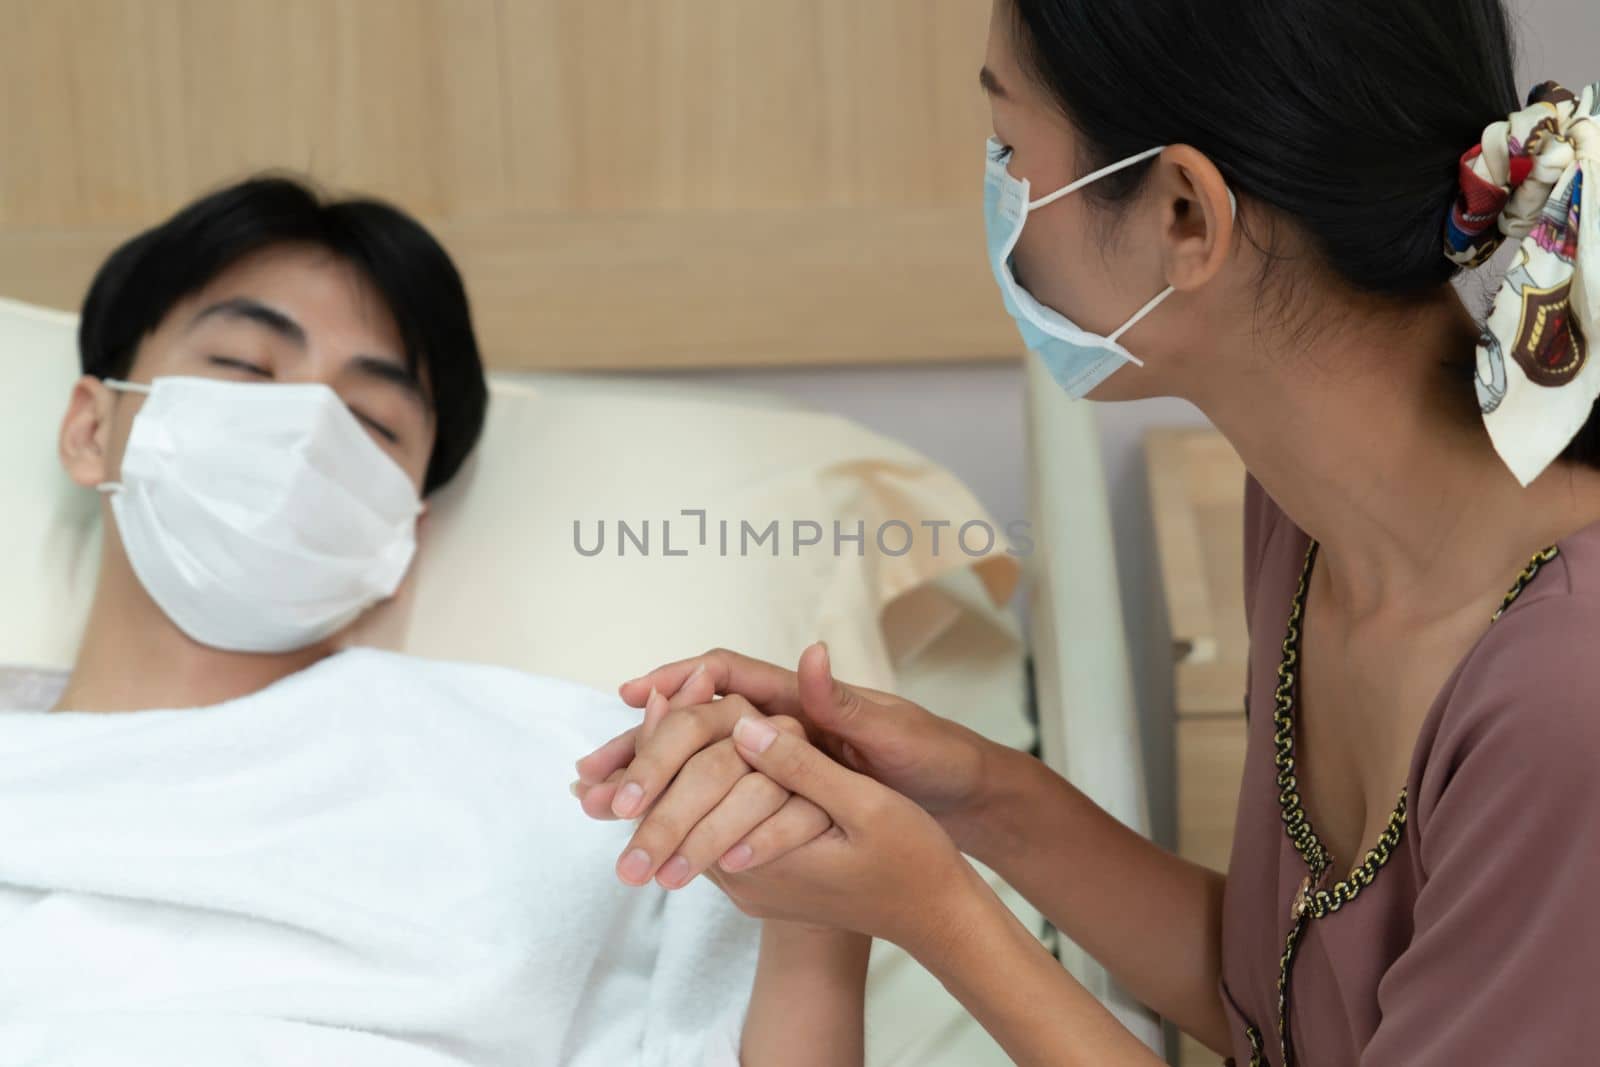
(1078, 359)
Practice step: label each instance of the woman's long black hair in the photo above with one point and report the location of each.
(1348, 118)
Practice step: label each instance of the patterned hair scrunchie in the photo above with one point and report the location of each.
(1536, 384)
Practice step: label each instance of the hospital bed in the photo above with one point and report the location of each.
(498, 581)
(631, 188)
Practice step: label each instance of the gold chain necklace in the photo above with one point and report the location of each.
(1311, 901)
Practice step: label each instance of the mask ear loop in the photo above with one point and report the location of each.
(1139, 316)
(117, 385)
(1090, 179)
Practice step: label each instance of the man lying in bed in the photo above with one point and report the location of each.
(232, 842)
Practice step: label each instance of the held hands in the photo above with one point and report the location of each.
(686, 773)
(715, 809)
(936, 763)
(883, 867)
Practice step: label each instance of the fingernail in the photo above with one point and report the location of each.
(754, 735)
(635, 866)
(737, 858)
(577, 788)
(674, 873)
(626, 802)
(699, 669)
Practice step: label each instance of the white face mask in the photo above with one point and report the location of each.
(1077, 358)
(260, 517)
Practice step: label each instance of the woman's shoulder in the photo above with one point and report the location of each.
(1523, 709)
(1544, 651)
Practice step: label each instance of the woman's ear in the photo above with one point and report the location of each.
(84, 444)
(1200, 217)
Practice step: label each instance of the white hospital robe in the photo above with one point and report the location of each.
(376, 861)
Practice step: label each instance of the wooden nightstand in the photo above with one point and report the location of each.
(1197, 498)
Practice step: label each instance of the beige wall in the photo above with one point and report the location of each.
(627, 183)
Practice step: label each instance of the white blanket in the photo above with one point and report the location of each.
(374, 862)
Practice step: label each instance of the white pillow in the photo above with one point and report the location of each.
(49, 539)
(499, 579)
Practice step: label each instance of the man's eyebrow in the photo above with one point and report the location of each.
(382, 369)
(242, 307)
(991, 84)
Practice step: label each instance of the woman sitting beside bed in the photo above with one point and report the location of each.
(293, 853)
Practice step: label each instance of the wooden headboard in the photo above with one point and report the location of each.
(625, 183)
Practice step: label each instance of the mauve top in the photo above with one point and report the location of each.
(1478, 942)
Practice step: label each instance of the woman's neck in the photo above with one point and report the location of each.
(1373, 445)
(132, 657)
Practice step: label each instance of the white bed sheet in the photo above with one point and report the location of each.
(975, 673)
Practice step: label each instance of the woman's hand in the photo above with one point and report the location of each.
(717, 809)
(887, 869)
(940, 765)
(884, 867)
(722, 815)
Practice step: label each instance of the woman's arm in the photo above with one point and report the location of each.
(806, 1008)
(1021, 994)
(1152, 919)
(887, 868)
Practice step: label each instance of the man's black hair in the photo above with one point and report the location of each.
(145, 278)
